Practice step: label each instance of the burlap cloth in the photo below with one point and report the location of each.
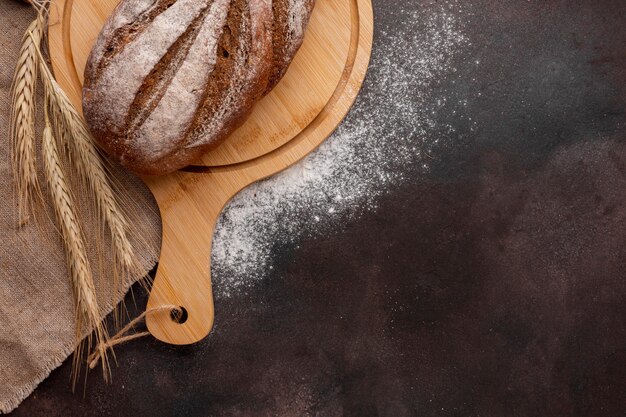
(36, 304)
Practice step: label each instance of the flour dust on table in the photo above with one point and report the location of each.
(391, 130)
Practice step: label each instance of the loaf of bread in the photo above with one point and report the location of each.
(168, 80)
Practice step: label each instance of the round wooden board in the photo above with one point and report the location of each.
(289, 123)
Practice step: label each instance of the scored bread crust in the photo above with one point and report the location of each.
(291, 18)
(168, 80)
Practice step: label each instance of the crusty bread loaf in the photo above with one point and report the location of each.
(168, 80)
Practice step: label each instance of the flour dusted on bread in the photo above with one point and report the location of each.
(291, 18)
(170, 79)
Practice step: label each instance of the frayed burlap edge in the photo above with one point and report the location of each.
(22, 393)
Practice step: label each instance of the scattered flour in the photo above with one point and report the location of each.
(390, 131)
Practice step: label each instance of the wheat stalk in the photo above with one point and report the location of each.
(87, 308)
(23, 110)
(63, 121)
(73, 132)
(68, 143)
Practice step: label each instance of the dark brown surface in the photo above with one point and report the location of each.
(493, 286)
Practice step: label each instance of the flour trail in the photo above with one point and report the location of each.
(390, 131)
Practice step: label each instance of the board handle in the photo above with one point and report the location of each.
(183, 276)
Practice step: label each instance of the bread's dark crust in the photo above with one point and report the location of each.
(155, 84)
(261, 32)
(123, 35)
(284, 45)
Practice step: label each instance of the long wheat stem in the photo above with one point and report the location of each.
(79, 267)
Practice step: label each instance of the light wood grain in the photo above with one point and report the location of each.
(293, 120)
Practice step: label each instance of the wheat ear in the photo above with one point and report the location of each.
(87, 310)
(91, 168)
(22, 125)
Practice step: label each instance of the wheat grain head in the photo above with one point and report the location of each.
(22, 122)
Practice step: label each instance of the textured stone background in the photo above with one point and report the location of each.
(493, 286)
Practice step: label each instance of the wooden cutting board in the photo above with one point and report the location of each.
(303, 110)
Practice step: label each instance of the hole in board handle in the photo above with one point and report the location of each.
(179, 315)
